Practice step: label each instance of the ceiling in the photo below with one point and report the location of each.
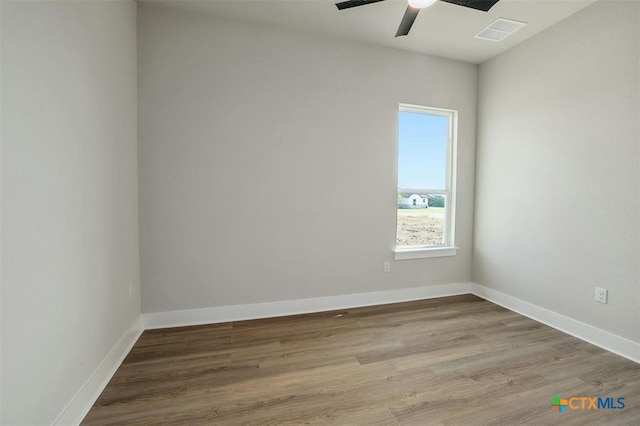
(442, 29)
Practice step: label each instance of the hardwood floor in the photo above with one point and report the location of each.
(456, 360)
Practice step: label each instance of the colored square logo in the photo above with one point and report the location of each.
(559, 404)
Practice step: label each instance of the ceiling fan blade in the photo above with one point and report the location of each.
(483, 5)
(407, 21)
(354, 3)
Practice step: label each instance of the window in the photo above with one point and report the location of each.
(426, 171)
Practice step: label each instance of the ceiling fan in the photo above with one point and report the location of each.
(414, 8)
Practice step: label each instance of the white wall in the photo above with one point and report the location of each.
(69, 198)
(239, 120)
(1, 133)
(558, 181)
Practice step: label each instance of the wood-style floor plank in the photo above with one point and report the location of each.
(450, 361)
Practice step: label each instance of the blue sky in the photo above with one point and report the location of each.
(422, 150)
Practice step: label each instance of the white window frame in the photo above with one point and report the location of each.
(448, 248)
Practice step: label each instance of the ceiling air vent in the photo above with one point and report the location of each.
(500, 29)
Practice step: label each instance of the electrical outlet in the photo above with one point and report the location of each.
(601, 295)
(387, 266)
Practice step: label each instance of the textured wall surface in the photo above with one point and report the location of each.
(558, 177)
(69, 198)
(268, 162)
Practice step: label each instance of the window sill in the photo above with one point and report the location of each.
(422, 253)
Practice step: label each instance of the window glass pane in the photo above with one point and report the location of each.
(423, 223)
(422, 150)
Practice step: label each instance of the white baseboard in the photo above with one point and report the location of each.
(80, 405)
(82, 402)
(301, 306)
(604, 339)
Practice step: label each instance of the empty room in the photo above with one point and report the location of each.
(361, 212)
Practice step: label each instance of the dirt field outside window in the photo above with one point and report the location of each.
(420, 227)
